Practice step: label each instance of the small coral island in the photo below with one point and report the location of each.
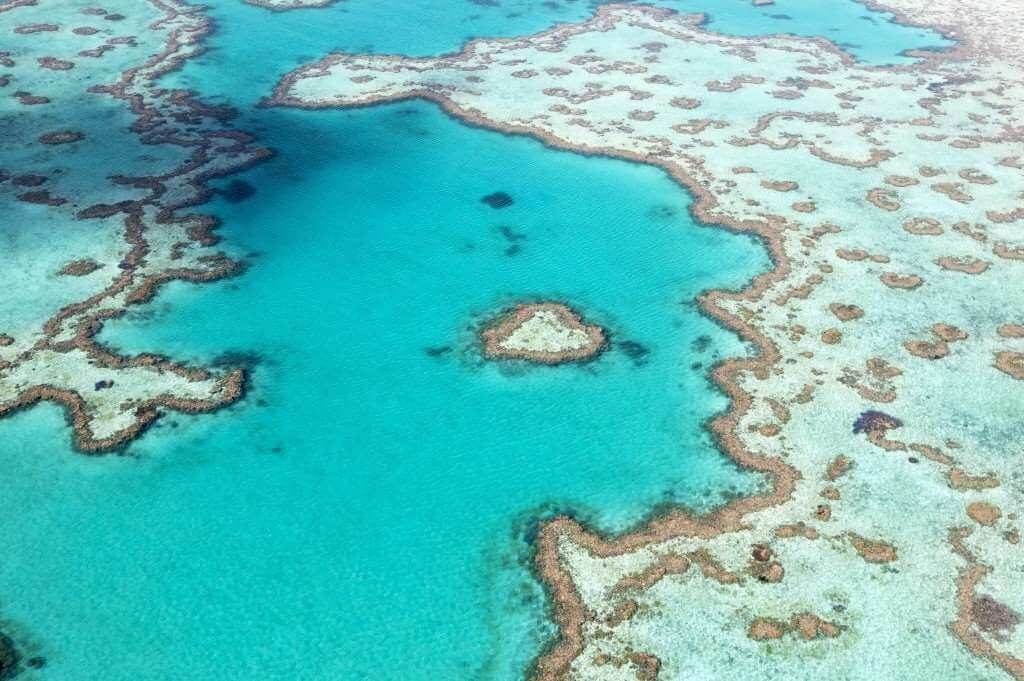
(545, 332)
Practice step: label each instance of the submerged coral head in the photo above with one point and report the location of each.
(872, 421)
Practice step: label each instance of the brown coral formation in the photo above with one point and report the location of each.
(906, 282)
(923, 226)
(845, 312)
(546, 333)
(837, 468)
(54, 64)
(80, 268)
(807, 626)
(885, 199)
(872, 550)
(949, 333)
(984, 513)
(831, 336)
(965, 264)
(766, 629)
(927, 349)
(1011, 364)
(962, 481)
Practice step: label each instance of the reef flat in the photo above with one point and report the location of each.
(112, 163)
(285, 5)
(546, 333)
(882, 398)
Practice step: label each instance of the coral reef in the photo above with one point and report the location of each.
(839, 168)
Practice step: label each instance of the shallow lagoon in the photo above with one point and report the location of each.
(366, 511)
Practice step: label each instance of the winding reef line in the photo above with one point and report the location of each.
(136, 284)
(570, 612)
(403, 81)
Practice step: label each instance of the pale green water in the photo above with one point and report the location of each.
(366, 512)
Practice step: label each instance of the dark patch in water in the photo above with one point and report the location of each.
(486, 3)
(498, 200)
(37, 662)
(10, 659)
(510, 234)
(991, 616)
(513, 250)
(438, 350)
(527, 525)
(238, 358)
(103, 384)
(701, 344)
(237, 191)
(780, 17)
(872, 421)
(635, 351)
(662, 213)
(696, 366)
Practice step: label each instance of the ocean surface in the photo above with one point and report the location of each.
(366, 512)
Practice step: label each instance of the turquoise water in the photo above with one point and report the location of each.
(366, 511)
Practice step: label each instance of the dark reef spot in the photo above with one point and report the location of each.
(237, 190)
(104, 384)
(29, 180)
(114, 17)
(513, 250)
(437, 350)
(781, 17)
(61, 137)
(872, 421)
(992, 616)
(10, 660)
(697, 366)
(913, 459)
(701, 344)
(635, 351)
(662, 212)
(237, 358)
(498, 200)
(37, 662)
(486, 3)
(510, 234)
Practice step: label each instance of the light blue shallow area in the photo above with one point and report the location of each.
(366, 511)
(254, 48)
